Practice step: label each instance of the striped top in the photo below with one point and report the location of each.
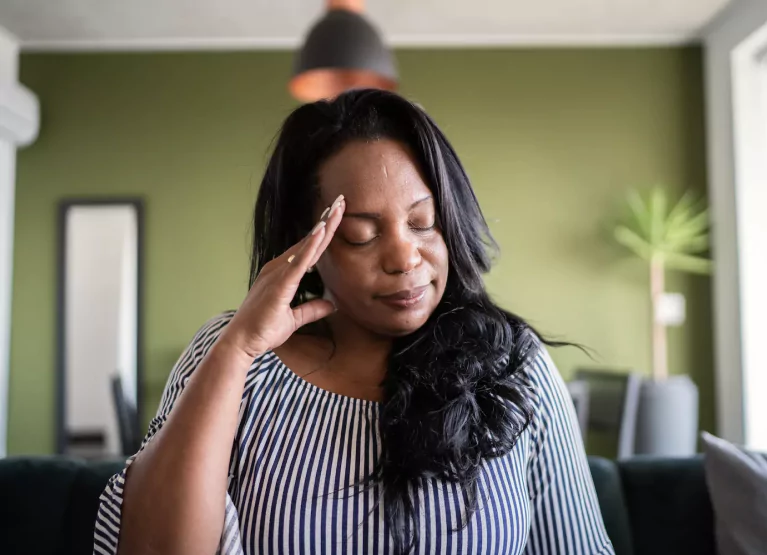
(299, 449)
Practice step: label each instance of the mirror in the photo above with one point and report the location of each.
(99, 328)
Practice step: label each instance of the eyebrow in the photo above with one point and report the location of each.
(377, 215)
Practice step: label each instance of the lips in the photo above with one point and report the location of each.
(404, 294)
(405, 298)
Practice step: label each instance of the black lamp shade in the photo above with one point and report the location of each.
(342, 51)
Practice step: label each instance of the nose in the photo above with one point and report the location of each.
(401, 254)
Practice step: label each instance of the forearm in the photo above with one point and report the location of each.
(175, 490)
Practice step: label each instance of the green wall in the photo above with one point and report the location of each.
(551, 139)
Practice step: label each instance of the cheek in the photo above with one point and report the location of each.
(344, 272)
(347, 272)
(436, 253)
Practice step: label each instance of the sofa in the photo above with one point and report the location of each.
(655, 506)
(650, 506)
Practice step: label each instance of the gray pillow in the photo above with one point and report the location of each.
(737, 482)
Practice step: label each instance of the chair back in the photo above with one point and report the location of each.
(579, 393)
(127, 419)
(612, 406)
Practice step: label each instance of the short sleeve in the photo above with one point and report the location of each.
(565, 514)
(108, 517)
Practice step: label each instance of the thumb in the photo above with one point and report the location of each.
(312, 311)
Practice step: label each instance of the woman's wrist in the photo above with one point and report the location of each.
(234, 344)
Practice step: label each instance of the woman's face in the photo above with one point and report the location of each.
(387, 265)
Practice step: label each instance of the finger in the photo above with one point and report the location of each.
(330, 213)
(296, 265)
(333, 221)
(279, 263)
(312, 311)
(286, 271)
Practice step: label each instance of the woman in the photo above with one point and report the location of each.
(368, 396)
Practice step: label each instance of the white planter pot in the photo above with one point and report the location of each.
(667, 419)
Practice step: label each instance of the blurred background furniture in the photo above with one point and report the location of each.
(127, 419)
(48, 504)
(579, 393)
(606, 403)
(650, 506)
(655, 506)
(86, 444)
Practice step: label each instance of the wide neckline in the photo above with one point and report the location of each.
(317, 390)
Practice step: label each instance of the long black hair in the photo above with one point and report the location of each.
(452, 395)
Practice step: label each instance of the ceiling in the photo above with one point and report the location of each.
(245, 24)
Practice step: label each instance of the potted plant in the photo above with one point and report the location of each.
(666, 237)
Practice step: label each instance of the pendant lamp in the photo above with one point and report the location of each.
(342, 51)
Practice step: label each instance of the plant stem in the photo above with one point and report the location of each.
(659, 344)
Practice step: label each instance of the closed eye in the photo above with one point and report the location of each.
(417, 229)
(360, 243)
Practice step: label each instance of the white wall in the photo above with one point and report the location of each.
(738, 213)
(100, 337)
(128, 330)
(7, 190)
(9, 55)
(750, 124)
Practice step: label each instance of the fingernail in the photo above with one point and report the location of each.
(322, 217)
(317, 228)
(336, 204)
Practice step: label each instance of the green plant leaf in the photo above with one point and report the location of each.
(641, 215)
(695, 225)
(632, 241)
(682, 210)
(689, 245)
(687, 263)
(677, 234)
(658, 204)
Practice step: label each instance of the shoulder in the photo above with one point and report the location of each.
(209, 332)
(553, 414)
(542, 379)
(540, 370)
(191, 357)
(215, 324)
(199, 346)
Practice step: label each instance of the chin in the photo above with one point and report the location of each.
(400, 332)
(401, 325)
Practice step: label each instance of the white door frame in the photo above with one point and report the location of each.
(732, 41)
(19, 121)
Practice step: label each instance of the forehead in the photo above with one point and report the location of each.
(372, 173)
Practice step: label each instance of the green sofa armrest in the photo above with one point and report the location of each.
(607, 481)
(668, 506)
(48, 504)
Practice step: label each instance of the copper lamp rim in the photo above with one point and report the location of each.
(328, 83)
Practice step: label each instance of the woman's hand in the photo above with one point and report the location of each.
(265, 320)
(189, 456)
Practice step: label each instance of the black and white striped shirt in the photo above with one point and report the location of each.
(299, 448)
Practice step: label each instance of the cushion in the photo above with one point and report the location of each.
(48, 504)
(669, 506)
(607, 482)
(80, 517)
(737, 480)
(35, 496)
